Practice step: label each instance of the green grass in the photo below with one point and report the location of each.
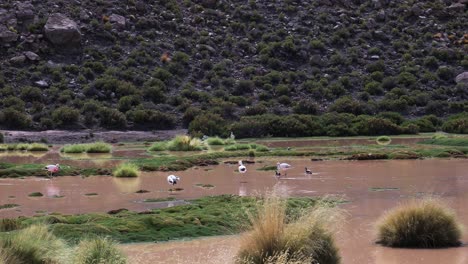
(10, 170)
(35, 194)
(215, 141)
(420, 224)
(267, 168)
(207, 216)
(235, 147)
(38, 147)
(456, 142)
(96, 147)
(185, 143)
(24, 147)
(7, 206)
(91, 194)
(98, 251)
(383, 140)
(205, 186)
(9, 224)
(126, 170)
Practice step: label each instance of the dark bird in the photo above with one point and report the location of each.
(307, 171)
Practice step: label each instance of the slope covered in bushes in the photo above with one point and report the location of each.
(204, 64)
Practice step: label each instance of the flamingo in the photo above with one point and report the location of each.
(172, 179)
(242, 168)
(283, 167)
(307, 171)
(52, 169)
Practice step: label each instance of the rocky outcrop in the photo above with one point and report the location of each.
(462, 78)
(7, 36)
(117, 21)
(62, 31)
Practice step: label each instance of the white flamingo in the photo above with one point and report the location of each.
(283, 167)
(242, 168)
(307, 171)
(52, 169)
(172, 179)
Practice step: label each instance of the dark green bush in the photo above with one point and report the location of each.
(112, 118)
(12, 118)
(64, 116)
(208, 124)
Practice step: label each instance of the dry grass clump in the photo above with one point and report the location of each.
(185, 143)
(427, 223)
(33, 245)
(98, 251)
(308, 239)
(126, 170)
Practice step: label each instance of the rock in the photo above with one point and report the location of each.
(416, 10)
(375, 57)
(18, 59)
(24, 11)
(381, 16)
(31, 55)
(84, 15)
(209, 3)
(5, 16)
(456, 7)
(62, 31)
(7, 36)
(462, 77)
(118, 21)
(42, 84)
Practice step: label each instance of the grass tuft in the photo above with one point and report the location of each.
(126, 170)
(274, 240)
(455, 142)
(185, 143)
(235, 147)
(9, 224)
(419, 224)
(98, 250)
(35, 194)
(215, 141)
(8, 206)
(96, 147)
(158, 146)
(34, 245)
(383, 140)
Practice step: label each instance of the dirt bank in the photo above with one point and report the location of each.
(64, 136)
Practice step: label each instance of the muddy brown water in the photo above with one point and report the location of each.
(371, 187)
(335, 142)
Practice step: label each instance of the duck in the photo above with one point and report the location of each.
(307, 171)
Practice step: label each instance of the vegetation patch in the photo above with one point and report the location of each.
(419, 224)
(9, 224)
(35, 194)
(126, 170)
(456, 142)
(383, 140)
(404, 155)
(367, 156)
(207, 216)
(91, 194)
(205, 186)
(96, 147)
(24, 147)
(98, 250)
(215, 141)
(177, 189)
(7, 206)
(236, 147)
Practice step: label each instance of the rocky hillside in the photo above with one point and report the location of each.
(229, 63)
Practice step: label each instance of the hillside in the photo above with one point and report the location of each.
(333, 67)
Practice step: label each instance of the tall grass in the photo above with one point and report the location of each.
(126, 170)
(237, 147)
(33, 245)
(158, 146)
(38, 147)
(24, 147)
(96, 147)
(185, 143)
(426, 223)
(98, 251)
(272, 239)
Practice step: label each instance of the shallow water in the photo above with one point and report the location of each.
(336, 142)
(371, 187)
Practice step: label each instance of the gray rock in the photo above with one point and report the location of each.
(416, 10)
(456, 7)
(62, 31)
(375, 57)
(18, 59)
(31, 55)
(118, 21)
(381, 16)
(6, 35)
(42, 84)
(24, 11)
(462, 77)
(5, 15)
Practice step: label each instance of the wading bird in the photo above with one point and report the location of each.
(52, 169)
(307, 171)
(172, 179)
(283, 167)
(242, 168)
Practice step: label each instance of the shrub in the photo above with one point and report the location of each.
(456, 124)
(112, 118)
(421, 224)
(208, 124)
(237, 147)
(98, 147)
(98, 250)
(185, 143)
(13, 118)
(158, 146)
(126, 170)
(34, 245)
(308, 237)
(65, 115)
(215, 141)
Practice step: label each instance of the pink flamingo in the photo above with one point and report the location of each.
(52, 169)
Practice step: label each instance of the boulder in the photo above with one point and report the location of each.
(456, 7)
(42, 84)
(117, 21)
(462, 77)
(5, 15)
(24, 11)
(7, 36)
(31, 55)
(18, 59)
(62, 31)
